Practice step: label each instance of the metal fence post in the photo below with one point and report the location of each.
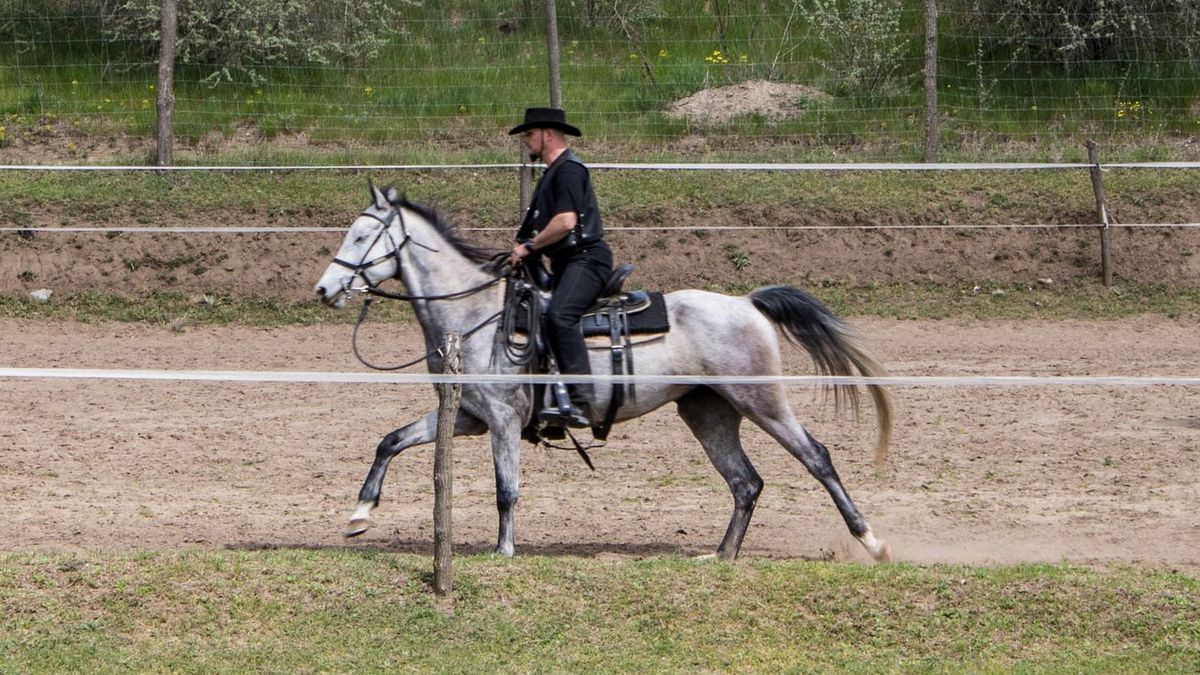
(165, 98)
(449, 395)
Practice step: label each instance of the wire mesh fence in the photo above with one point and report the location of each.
(768, 80)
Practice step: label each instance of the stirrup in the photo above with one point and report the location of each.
(571, 417)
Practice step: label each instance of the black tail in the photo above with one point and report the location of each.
(834, 348)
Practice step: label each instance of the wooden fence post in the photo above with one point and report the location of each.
(931, 93)
(165, 98)
(449, 395)
(1101, 213)
(552, 50)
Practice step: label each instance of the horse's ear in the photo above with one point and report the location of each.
(391, 194)
(379, 199)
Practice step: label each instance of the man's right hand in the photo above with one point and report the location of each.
(519, 253)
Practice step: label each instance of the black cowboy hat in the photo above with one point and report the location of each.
(545, 118)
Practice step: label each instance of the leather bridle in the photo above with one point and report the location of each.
(373, 290)
(363, 264)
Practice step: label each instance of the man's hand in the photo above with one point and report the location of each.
(519, 252)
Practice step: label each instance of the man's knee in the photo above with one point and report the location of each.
(562, 323)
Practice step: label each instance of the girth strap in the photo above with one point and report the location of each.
(622, 352)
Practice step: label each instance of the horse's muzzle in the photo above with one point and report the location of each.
(336, 298)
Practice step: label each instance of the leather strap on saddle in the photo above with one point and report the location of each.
(622, 353)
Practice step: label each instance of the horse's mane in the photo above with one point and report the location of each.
(449, 231)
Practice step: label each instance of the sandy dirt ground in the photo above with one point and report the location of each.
(979, 475)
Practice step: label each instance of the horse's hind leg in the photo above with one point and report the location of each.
(767, 407)
(715, 424)
(422, 431)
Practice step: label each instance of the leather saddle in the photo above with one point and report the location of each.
(616, 314)
(612, 301)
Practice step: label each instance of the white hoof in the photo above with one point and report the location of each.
(357, 527)
(360, 521)
(878, 549)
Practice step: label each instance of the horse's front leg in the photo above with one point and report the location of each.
(422, 431)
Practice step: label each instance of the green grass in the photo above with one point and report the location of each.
(1082, 301)
(179, 310)
(314, 611)
(490, 197)
(457, 74)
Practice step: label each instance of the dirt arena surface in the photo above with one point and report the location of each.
(978, 475)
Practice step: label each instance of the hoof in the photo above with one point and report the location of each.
(878, 548)
(357, 527)
(885, 553)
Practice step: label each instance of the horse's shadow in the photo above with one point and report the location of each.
(425, 547)
(614, 551)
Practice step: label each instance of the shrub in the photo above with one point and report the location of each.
(233, 39)
(1077, 32)
(862, 41)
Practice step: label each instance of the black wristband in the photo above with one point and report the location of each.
(528, 246)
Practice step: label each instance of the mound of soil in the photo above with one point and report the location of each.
(691, 254)
(285, 265)
(771, 100)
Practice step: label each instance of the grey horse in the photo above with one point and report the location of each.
(394, 237)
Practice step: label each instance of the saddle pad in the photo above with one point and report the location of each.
(652, 319)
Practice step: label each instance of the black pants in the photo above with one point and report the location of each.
(578, 279)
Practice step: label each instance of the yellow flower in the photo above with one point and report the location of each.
(482, 40)
(368, 90)
(662, 54)
(633, 57)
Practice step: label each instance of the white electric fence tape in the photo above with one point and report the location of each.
(495, 378)
(717, 166)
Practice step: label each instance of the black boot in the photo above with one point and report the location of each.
(571, 416)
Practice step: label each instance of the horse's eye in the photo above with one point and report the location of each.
(359, 240)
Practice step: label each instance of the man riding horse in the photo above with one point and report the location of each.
(563, 225)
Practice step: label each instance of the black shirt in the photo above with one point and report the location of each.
(564, 187)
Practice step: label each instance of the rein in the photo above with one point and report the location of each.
(373, 290)
(362, 317)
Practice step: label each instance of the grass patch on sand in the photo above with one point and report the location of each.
(328, 610)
